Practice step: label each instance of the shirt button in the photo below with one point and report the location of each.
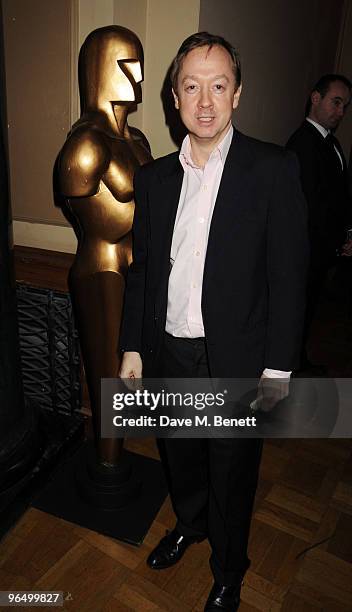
(201, 219)
(194, 286)
(205, 187)
(197, 253)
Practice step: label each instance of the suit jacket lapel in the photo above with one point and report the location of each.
(229, 206)
(313, 130)
(324, 147)
(170, 185)
(340, 150)
(163, 208)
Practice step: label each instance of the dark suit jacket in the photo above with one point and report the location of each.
(325, 186)
(253, 291)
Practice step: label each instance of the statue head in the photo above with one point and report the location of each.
(110, 68)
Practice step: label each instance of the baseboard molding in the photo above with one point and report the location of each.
(47, 237)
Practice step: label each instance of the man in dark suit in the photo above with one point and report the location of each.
(216, 289)
(325, 185)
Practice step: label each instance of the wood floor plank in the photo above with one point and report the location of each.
(245, 607)
(258, 601)
(9, 545)
(330, 453)
(340, 544)
(158, 578)
(328, 486)
(346, 474)
(328, 574)
(197, 589)
(342, 497)
(296, 502)
(101, 591)
(315, 597)
(34, 556)
(155, 533)
(128, 555)
(258, 583)
(286, 521)
(327, 526)
(275, 556)
(66, 563)
(274, 459)
(263, 489)
(293, 603)
(261, 538)
(115, 606)
(138, 591)
(135, 601)
(291, 563)
(296, 476)
(11, 581)
(27, 523)
(187, 583)
(143, 446)
(91, 577)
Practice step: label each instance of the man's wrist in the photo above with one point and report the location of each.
(270, 373)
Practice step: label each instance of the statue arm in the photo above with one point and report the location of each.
(139, 136)
(83, 160)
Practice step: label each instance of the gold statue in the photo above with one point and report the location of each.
(95, 175)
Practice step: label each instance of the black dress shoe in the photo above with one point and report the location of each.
(225, 598)
(170, 549)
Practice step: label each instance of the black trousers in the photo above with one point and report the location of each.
(212, 482)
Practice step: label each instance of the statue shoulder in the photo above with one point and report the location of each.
(82, 162)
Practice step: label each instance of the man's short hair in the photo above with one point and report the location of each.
(204, 39)
(322, 86)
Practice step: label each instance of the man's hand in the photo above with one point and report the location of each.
(131, 369)
(347, 249)
(271, 391)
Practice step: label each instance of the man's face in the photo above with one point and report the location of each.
(329, 110)
(207, 93)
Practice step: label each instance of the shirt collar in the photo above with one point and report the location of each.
(324, 132)
(221, 149)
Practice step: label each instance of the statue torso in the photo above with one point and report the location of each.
(103, 221)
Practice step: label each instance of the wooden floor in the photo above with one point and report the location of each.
(300, 543)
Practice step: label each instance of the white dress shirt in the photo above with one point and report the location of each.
(190, 239)
(324, 132)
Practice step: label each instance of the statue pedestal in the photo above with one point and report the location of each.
(104, 486)
(129, 522)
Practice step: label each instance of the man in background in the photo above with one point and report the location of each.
(216, 289)
(324, 180)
